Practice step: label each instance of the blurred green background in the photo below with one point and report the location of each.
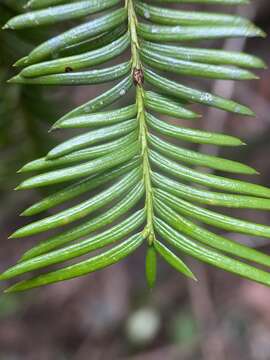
(112, 315)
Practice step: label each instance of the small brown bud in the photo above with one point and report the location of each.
(138, 77)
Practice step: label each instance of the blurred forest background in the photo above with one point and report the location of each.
(112, 315)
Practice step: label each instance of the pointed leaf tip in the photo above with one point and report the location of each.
(23, 214)
(14, 80)
(54, 127)
(21, 62)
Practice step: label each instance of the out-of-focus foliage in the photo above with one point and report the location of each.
(25, 113)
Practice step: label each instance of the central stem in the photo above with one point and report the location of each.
(137, 71)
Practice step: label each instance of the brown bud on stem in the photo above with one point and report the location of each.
(138, 77)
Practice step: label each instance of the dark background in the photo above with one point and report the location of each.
(111, 314)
